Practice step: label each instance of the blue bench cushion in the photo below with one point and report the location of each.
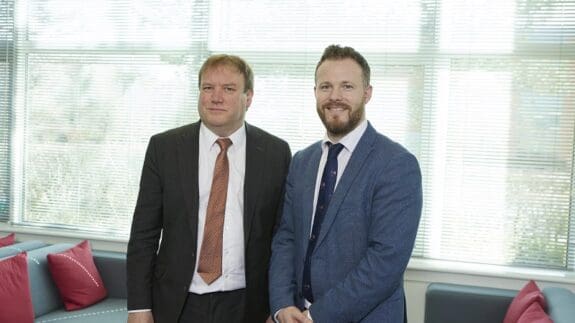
(45, 295)
(560, 304)
(452, 303)
(108, 310)
(19, 247)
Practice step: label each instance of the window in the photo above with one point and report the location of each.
(482, 91)
(6, 65)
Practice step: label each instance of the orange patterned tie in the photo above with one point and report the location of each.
(210, 265)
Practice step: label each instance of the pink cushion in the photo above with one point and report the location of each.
(534, 314)
(529, 294)
(15, 299)
(77, 277)
(7, 240)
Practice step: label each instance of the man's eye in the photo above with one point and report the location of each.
(207, 88)
(229, 89)
(348, 86)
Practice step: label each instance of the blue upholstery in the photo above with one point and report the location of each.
(451, 303)
(45, 297)
(112, 269)
(46, 301)
(560, 304)
(18, 247)
(108, 310)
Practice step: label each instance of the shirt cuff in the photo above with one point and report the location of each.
(142, 310)
(276, 315)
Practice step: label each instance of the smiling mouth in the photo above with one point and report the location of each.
(336, 107)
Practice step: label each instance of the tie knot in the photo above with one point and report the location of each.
(224, 143)
(334, 150)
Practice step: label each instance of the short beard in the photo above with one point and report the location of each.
(340, 129)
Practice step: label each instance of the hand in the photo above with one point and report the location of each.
(292, 314)
(140, 317)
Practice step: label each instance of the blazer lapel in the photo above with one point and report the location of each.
(358, 158)
(308, 193)
(188, 152)
(253, 179)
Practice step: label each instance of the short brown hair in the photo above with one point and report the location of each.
(336, 52)
(229, 60)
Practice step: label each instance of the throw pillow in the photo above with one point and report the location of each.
(77, 277)
(7, 240)
(529, 294)
(15, 298)
(534, 314)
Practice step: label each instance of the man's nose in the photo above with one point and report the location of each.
(335, 94)
(217, 95)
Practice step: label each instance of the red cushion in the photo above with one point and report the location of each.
(7, 240)
(77, 277)
(534, 314)
(15, 299)
(529, 294)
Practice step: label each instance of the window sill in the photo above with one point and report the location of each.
(427, 271)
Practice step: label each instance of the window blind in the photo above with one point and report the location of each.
(94, 81)
(480, 90)
(6, 66)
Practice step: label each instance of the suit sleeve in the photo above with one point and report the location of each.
(282, 272)
(395, 212)
(145, 233)
(286, 163)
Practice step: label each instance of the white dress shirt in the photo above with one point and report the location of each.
(349, 143)
(233, 261)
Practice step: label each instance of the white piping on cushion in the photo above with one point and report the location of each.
(77, 263)
(75, 316)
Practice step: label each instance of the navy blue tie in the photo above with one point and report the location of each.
(326, 188)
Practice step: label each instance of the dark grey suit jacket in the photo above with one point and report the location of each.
(366, 238)
(159, 274)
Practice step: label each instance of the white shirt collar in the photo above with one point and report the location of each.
(238, 138)
(350, 140)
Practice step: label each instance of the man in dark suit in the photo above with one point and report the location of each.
(172, 233)
(341, 257)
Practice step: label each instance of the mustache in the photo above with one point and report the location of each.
(335, 105)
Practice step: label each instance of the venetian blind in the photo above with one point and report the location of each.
(6, 64)
(480, 90)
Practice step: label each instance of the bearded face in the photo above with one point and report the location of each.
(341, 96)
(340, 118)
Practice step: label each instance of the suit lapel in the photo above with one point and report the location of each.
(308, 193)
(254, 176)
(188, 152)
(358, 159)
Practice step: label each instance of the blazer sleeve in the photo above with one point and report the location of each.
(145, 232)
(282, 275)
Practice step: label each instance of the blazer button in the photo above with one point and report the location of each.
(306, 286)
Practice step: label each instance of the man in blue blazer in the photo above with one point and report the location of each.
(341, 257)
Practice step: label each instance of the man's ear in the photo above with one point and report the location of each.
(249, 97)
(367, 94)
